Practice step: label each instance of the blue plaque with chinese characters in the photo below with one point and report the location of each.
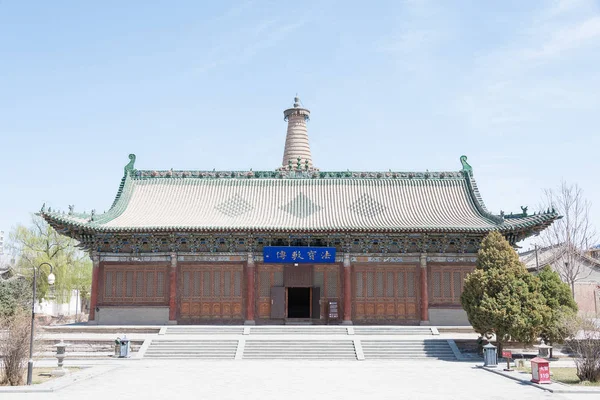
(291, 255)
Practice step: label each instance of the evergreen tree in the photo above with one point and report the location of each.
(562, 306)
(501, 297)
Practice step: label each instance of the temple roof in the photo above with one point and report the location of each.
(298, 200)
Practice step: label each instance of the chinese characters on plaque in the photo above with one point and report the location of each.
(287, 254)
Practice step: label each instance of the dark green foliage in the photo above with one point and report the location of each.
(562, 306)
(15, 294)
(501, 297)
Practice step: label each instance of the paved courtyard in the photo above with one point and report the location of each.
(291, 380)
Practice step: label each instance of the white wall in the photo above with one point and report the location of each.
(50, 307)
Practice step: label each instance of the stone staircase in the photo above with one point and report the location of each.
(407, 349)
(203, 330)
(298, 330)
(299, 349)
(196, 349)
(392, 330)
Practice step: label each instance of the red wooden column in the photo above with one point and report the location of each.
(94, 294)
(424, 290)
(173, 289)
(250, 290)
(347, 290)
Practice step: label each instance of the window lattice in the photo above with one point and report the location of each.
(206, 284)
(237, 284)
(389, 284)
(264, 288)
(130, 285)
(217, 283)
(332, 284)
(186, 283)
(370, 285)
(119, 284)
(139, 285)
(410, 284)
(277, 278)
(149, 284)
(160, 284)
(197, 284)
(212, 282)
(226, 283)
(401, 284)
(457, 280)
(379, 286)
(447, 284)
(319, 281)
(359, 285)
(436, 284)
(108, 286)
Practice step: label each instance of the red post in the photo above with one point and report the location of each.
(173, 288)
(94, 294)
(347, 290)
(424, 289)
(250, 290)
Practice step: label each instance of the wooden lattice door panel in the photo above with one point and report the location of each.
(134, 285)
(210, 291)
(268, 276)
(328, 279)
(389, 292)
(446, 283)
(298, 275)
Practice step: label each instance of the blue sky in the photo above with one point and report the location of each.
(401, 85)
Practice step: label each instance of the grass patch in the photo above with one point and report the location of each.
(41, 375)
(564, 375)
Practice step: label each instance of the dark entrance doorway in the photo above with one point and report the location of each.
(298, 302)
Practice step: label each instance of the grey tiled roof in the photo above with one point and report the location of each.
(262, 201)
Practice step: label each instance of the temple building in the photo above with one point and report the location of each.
(295, 244)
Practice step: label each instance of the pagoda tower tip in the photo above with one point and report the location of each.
(296, 154)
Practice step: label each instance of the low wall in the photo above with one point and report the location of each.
(448, 317)
(131, 315)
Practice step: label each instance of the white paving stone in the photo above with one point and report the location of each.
(296, 380)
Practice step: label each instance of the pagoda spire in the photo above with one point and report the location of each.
(296, 155)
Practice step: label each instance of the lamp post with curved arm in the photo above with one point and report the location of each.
(51, 278)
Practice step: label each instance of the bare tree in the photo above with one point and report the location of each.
(569, 237)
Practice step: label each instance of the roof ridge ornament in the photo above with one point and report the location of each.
(465, 165)
(130, 166)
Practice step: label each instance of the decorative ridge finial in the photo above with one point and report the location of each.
(296, 101)
(465, 165)
(129, 167)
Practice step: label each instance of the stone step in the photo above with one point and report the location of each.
(299, 349)
(404, 330)
(199, 349)
(204, 330)
(295, 330)
(399, 349)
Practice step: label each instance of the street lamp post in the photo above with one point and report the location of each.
(51, 279)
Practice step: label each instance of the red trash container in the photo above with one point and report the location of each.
(540, 370)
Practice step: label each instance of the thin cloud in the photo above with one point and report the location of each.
(569, 38)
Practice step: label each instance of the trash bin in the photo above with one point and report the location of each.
(490, 358)
(124, 351)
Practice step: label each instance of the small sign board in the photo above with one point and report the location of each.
(506, 354)
(298, 255)
(332, 310)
